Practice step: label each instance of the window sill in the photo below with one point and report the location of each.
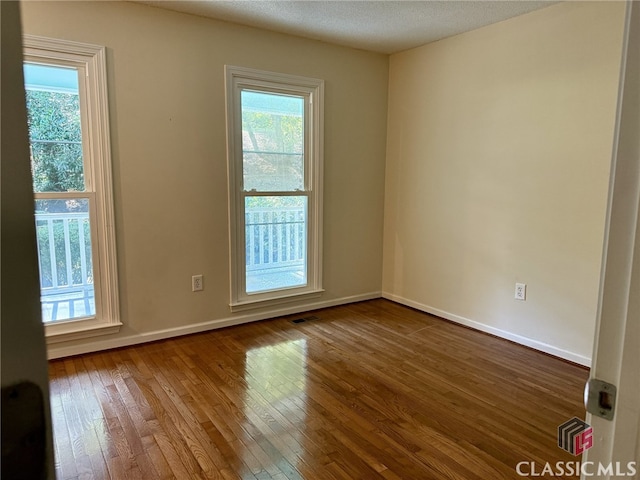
(79, 329)
(241, 306)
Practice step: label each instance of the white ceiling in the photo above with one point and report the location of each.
(379, 26)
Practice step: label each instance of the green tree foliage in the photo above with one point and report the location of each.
(55, 136)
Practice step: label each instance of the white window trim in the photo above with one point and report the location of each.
(235, 79)
(91, 59)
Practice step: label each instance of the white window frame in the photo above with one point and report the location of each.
(90, 61)
(237, 79)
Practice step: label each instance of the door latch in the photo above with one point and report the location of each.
(600, 398)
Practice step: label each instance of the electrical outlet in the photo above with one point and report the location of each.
(196, 283)
(521, 291)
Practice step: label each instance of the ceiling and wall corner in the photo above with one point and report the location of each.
(378, 26)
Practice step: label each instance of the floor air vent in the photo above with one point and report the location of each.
(304, 319)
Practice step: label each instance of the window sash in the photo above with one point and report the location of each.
(88, 193)
(83, 71)
(292, 248)
(97, 277)
(306, 154)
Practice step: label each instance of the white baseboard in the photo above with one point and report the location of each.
(60, 350)
(535, 344)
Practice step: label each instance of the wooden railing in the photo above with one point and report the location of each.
(275, 237)
(64, 260)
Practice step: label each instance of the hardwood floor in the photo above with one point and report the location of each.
(369, 390)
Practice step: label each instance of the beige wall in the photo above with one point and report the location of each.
(498, 153)
(166, 87)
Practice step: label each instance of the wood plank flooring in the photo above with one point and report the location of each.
(363, 391)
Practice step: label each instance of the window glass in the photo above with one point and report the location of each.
(65, 258)
(275, 242)
(272, 141)
(63, 228)
(55, 134)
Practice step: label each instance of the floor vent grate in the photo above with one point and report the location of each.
(304, 319)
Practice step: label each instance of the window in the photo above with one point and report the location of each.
(274, 128)
(65, 84)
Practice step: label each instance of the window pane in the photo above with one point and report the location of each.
(53, 109)
(272, 141)
(64, 257)
(275, 242)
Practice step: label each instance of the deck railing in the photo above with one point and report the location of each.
(65, 265)
(275, 237)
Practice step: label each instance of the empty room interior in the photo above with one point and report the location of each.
(401, 282)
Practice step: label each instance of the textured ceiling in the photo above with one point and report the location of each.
(379, 26)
